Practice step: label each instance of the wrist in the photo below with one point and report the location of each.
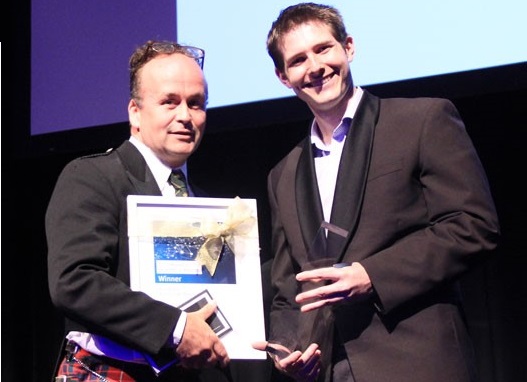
(177, 334)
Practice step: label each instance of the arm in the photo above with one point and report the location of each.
(87, 248)
(454, 224)
(434, 217)
(88, 266)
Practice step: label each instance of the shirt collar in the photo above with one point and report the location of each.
(341, 131)
(160, 171)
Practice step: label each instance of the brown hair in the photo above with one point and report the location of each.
(295, 15)
(152, 49)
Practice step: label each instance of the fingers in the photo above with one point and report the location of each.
(204, 357)
(321, 282)
(315, 275)
(328, 293)
(200, 347)
(259, 345)
(347, 283)
(275, 351)
(208, 310)
(222, 357)
(303, 366)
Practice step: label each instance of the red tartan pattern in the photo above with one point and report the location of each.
(76, 373)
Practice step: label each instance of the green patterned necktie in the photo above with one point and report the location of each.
(177, 179)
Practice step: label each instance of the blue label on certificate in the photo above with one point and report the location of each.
(175, 262)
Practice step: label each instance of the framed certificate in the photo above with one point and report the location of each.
(189, 251)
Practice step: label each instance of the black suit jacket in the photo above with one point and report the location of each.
(88, 260)
(412, 194)
(86, 228)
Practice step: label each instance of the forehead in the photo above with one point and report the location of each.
(304, 36)
(171, 70)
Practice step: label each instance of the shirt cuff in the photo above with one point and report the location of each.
(178, 330)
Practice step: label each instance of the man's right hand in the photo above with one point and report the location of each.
(200, 347)
(301, 366)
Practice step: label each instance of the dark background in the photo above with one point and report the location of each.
(236, 154)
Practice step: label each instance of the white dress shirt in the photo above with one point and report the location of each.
(100, 345)
(327, 157)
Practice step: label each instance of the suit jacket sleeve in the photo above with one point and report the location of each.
(88, 270)
(427, 207)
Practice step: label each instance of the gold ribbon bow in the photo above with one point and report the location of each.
(239, 222)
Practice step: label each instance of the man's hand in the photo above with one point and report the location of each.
(200, 347)
(301, 366)
(350, 283)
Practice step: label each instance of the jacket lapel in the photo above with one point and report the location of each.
(353, 173)
(138, 172)
(310, 214)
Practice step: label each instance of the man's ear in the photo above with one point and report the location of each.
(134, 115)
(350, 48)
(282, 77)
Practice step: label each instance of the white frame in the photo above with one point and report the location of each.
(240, 303)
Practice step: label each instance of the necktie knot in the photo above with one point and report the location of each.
(178, 181)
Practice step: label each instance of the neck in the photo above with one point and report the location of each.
(328, 120)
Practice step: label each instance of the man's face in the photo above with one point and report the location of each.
(170, 117)
(316, 66)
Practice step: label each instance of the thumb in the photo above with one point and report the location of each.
(208, 310)
(259, 345)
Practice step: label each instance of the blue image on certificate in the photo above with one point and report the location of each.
(175, 262)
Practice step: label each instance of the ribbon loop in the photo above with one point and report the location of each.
(239, 222)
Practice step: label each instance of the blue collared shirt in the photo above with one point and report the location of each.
(327, 157)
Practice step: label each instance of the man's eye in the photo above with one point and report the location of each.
(324, 49)
(297, 61)
(197, 105)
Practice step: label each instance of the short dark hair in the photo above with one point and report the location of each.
(295, 15)
(150, 50)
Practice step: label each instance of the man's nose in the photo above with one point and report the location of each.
(183, 112)
(314, 64)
